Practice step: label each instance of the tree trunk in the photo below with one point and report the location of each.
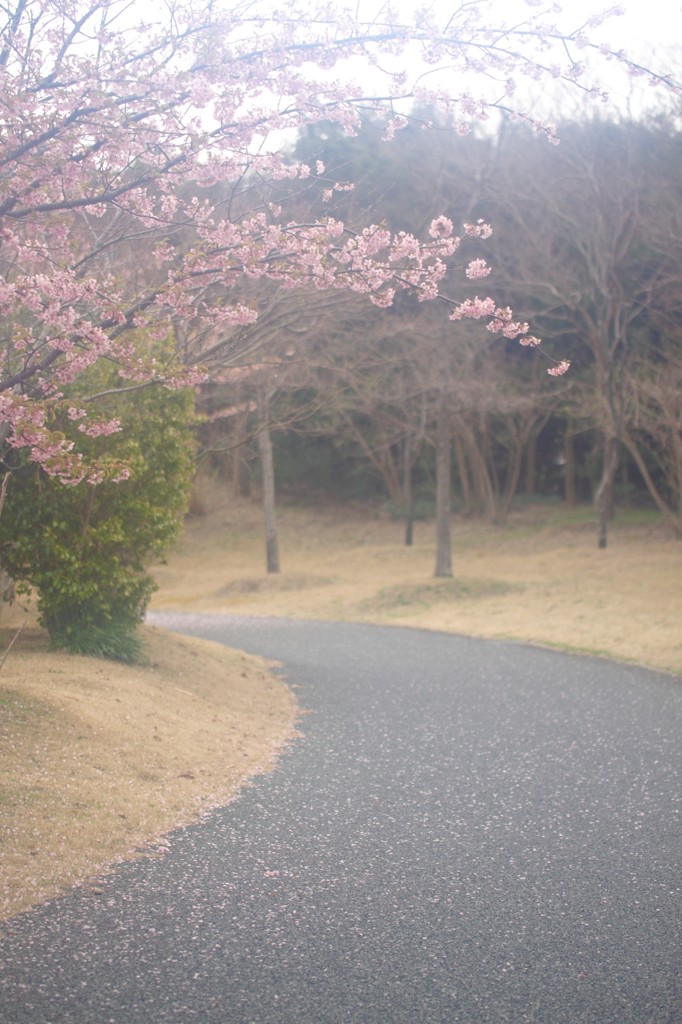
(531, 464)
(570, 493)
(241, 477)
(484, 490)
(7, 591)
(268, 471)
(465, 482)
(670, 510)
(505, 500)
(603, 498)
(6, 582)
(408, 496)
(443, 488)
(243, 480)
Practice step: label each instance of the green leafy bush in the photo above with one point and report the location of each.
(86, 549)
(116, 640)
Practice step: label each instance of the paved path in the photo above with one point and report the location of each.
(468, 831)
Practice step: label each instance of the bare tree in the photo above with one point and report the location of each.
(653, 433)
(585, 259)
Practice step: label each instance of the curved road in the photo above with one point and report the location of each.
(468, 831)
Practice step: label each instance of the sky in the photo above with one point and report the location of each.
(646, 23)
(650, 32)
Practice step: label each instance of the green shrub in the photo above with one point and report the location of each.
(86, 549)
(118, 641)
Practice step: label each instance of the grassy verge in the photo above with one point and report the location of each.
(541, 579)
(99, 759)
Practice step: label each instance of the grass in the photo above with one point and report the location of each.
(541, 579)
(411, 599)
(99, 758)
(115, 640)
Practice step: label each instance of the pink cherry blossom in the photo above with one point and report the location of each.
(477, 269)
(114, 134)
(560, 369)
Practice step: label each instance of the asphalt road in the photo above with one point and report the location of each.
(467, 831)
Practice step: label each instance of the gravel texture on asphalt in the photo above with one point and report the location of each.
(466, 831)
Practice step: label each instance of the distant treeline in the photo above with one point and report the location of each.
(586, 247)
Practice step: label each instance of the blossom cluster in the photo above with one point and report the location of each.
(104, 125)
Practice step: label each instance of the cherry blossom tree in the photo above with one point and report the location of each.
(106, 114)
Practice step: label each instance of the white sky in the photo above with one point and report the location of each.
(646, 23)
(650, 32)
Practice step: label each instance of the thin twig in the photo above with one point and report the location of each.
(12, 643)
(3, 489)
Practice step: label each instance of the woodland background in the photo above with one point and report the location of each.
(404, 406)
(215, 255)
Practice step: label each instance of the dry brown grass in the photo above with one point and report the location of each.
(541, 579)
(97, 759)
